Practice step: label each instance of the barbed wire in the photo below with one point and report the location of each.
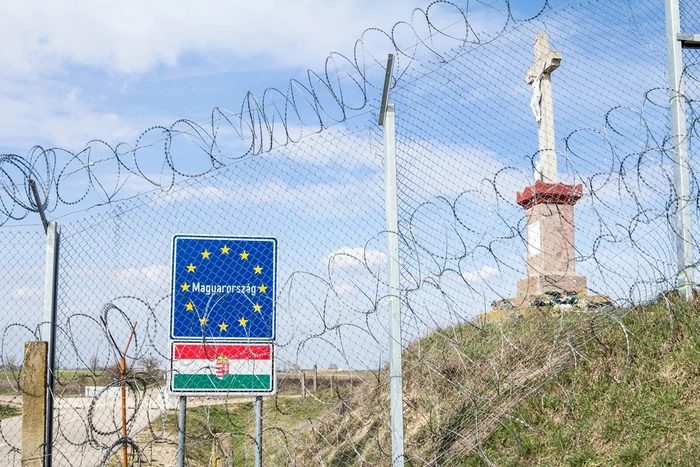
(260, 126)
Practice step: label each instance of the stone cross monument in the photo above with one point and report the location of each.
(548, 204)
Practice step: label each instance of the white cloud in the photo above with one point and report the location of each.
(206, 193)
(155, 275)
(51, 45)
(134, 37)
(482, 274)
(28, 293)
(349, 257)
(44, 111)
(349, 150)
(317, 200)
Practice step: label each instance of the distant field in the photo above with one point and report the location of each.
(72, 382)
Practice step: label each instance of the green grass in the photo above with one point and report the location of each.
(204, 423)
(60, 374)
(7, 411)
(611, 411)
(609, 407)
(613, 405)
(235, 420)
(68, 382)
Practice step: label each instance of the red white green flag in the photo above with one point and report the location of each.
(222, 368)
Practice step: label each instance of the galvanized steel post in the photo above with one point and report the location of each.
(53, 236)
(258, 430)
(182, 423)
(679, 135)
(392, 227)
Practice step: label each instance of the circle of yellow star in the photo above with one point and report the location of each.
(257, 307)
(185, 287)
(205, 254)
(225, 250)
(242, 322)
(257, 269)
(262, 288)
(223, 326)
(203, 321)
(189, 306)
(244, 255)
(191, 268)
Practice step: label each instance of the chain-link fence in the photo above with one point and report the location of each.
(306, 166)
(23, 294)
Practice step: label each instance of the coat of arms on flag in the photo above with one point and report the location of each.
(222, 366)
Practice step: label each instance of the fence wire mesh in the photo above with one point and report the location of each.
(690, 17)
(306, 166)
(22, 290)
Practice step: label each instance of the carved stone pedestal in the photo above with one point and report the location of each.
(551, 257)
(551, 263)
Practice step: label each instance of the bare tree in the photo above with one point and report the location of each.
(152, 372)
(10, 363)
(150, 364)
(94, 363)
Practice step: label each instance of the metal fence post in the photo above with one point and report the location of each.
(53, 235)
(182, 421)
(392, 227)
(258, 430)
(684, 243)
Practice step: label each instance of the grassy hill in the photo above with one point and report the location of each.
(633, 399)
(565, 387)
(562, 387)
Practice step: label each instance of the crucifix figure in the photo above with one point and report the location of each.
(546, 61)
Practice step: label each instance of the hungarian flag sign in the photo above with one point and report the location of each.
(200, 368)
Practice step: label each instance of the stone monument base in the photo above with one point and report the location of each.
(541, 293)
(562, 283)
(504, 309)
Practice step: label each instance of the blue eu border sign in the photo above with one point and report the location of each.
(223, 288)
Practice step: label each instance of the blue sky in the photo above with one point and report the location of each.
(103, 70)
(106, 70)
